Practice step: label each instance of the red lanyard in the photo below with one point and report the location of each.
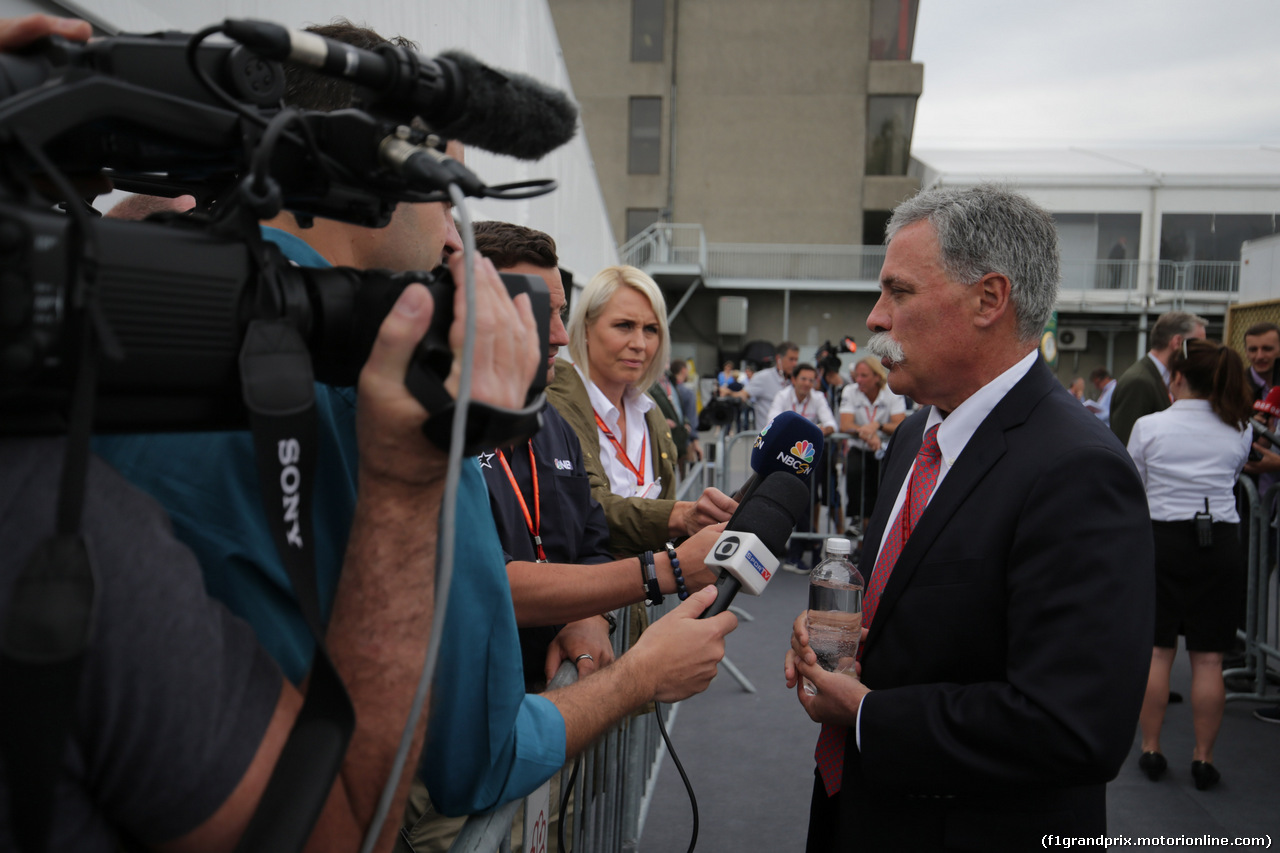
(534, 522)
(804, 407)
(622, 452)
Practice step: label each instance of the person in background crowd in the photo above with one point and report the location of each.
(1262, 347)
(870, 412)
(1189, 456)
(766, 382)
(1077, 388)
(1105, 385)
(1144, 387)
(801, 398)
(726, 375)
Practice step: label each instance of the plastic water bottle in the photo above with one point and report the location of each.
(835, 610)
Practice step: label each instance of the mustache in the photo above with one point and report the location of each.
(886, 347)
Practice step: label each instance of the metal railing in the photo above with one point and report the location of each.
(611, 785)
(666, 243)
(795, 262)
(1261, 635)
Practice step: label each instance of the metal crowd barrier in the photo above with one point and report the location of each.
(611, 785)
(1262, 600)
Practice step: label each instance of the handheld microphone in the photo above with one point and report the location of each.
(751, 547)
(1260, 431)
(1269, 406)
(790, 443)
(458, 96)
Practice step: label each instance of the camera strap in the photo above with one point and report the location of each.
(276, 377)
(47, 632)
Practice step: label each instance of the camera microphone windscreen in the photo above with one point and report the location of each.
(789, 443)
(509, 113)
(457, 95)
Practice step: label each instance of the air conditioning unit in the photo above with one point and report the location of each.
(1073, 338)
(731, 316)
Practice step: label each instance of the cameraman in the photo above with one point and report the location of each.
(181, 714)
(488, 742)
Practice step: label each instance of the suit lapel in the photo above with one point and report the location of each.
(984, 449)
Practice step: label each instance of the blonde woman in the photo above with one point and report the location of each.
(619, 343)
(870, 412)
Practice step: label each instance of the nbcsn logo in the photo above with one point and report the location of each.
(800, 457)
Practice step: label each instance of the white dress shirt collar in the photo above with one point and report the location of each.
(959, 426)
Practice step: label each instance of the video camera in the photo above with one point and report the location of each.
(827, 358)
(165, 304)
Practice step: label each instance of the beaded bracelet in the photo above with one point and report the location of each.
(681, 590)
(649, 576)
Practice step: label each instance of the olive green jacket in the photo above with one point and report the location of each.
(635, 524)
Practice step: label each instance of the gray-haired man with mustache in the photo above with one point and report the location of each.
(1009, 564)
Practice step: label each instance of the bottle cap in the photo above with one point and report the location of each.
(838, 545)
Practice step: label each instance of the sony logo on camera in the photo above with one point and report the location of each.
(289, 451)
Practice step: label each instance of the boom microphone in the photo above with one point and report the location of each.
(752, 544)
(790, 443)
(458, 96)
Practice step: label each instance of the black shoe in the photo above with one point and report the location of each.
(1205, 774)
(1153, 764)
(1174, 697)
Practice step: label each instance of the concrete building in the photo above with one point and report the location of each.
(778, 132)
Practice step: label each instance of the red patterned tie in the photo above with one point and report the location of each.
(924, 476)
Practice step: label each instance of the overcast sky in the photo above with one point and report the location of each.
(1086, 72)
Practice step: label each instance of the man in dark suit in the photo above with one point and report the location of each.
(1010, 602)
(1144, 387)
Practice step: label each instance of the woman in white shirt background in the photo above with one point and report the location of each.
(870, 412)
(1189, 457)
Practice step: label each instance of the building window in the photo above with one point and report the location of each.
(648, 19)
(889, 122)
(644, 153)
(640, 218)
(1210, 236)
(893, 28)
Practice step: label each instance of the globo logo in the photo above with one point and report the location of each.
(727, 547)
